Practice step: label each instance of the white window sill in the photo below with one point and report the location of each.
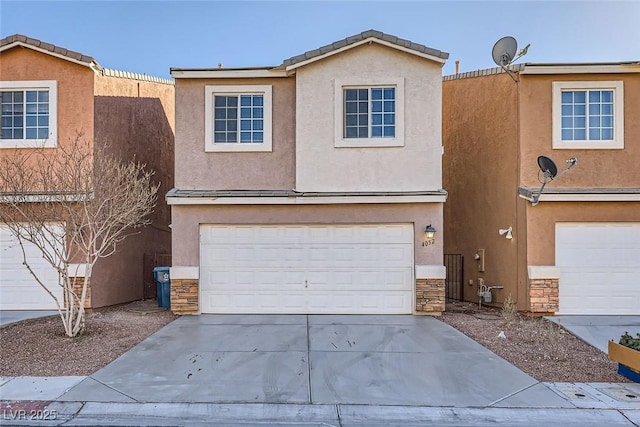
(368, 142)
(237, 148)
(28, 143)
(588, 145)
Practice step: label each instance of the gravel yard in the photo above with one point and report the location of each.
(540, 348)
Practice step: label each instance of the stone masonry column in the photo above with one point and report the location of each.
(185, 290)
(543, 290)
(430, 289)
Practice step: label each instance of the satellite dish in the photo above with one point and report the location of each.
(547, 167)
(549, 172)
(504, 51)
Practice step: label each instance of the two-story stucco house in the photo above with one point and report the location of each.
(577, 250)
(307, 187)
(49, 96)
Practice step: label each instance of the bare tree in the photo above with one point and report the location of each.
(75, 203)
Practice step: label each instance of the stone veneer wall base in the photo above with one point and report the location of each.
(430, 296)
(543, 296)
(77, 283)
(184, 296)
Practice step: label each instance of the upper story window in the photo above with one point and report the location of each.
(28, 114)
(238, 118)
(369, 113)
(588, 115)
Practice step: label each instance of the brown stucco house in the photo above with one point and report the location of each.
(131, 113)
(307, 187)
(577, 250)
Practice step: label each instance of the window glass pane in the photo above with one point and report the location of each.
(43, 108)
(32, 108)
(567, 122)
(257, 137)
(376, 106)
(362, 119)
(257, 125)
(245, 137)
(257, 113)
(43, 133)
(232, 101)
(232, 113)
(580, 110)
(579, 97)
(220, 125)
(18, 134)
(607, 109)
(580, 122)
(32, 133)
(580, 135)
(363, 107)
(567, 110)
(389, 106)
(352, 120)
(363, 132)
(245, 112)
(43, 96)
(258, 100)
(389, 93)
(607, 134)
(376, 93)
(607, 121)
(232, 125)
(376, 119)
(245, 100)
(232, 137)
(351, 132)
(389, 119)
(245, 124)
(363, 94)
(352, 107)
(607, 96)
(17, 121)
(567, 134)
(32, 96)
(594, 121)
(220, 113)
(594, 96)
(567, 97)
(220, 101)
(594, 134)
(351, 94)
(219, 137)
(594, 109)
(32, 121)
(389, 131)
(376, 131)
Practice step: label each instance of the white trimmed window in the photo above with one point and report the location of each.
(28, 115)
(238, 118)
(588, 115)
(369, 113)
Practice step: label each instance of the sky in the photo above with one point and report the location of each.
(152, 36)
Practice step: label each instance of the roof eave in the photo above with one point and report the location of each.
(92, 64)
(585, 68)
(360, 43)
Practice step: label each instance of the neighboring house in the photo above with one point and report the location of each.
(578, 250)
(133, 114)
(307, 187)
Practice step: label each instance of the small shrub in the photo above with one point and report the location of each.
(509, 310)
(545, 335)
(629, 341)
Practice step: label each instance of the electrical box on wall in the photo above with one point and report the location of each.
(479, 256)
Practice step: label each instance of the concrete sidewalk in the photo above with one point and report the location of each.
(8, 317)
(598, 330)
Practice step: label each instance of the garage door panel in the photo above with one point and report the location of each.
(307, 268)
(599, 268)
(18, 289)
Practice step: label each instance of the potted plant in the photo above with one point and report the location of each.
(627, 354)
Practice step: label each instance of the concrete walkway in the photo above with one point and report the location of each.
(599, 330)
(11, 316)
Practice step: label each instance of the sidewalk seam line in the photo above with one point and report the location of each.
(512, 394)
(116, 390)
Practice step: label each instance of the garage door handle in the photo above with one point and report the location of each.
(306, 284)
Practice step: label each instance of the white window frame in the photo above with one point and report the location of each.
(211, 91)
(618, 115)
(339, 114)
(24, 85)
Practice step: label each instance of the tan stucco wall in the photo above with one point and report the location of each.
(542, 218)
(187, 220)
(480, 172)
(75, 88)
(196, 169)
(136, 120)
(320, 166)
(596, 168)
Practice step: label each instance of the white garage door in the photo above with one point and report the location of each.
(322, 269)
(18, 289)
(599, 268)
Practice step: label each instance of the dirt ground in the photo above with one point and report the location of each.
(38, 347)
(540, 348)
(544, 350)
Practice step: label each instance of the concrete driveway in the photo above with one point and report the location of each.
(372, 360)
(599, 330)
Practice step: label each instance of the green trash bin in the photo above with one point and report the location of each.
(163, 286)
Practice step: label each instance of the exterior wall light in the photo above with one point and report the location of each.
(429, 232)
(506, 232)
